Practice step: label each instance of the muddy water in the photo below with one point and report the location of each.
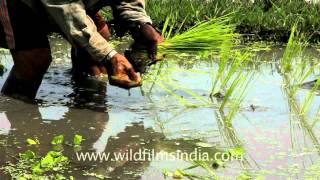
(277, 144)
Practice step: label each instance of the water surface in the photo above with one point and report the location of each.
(277, 143)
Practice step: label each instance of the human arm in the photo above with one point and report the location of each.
(131, 15)
(80, 30)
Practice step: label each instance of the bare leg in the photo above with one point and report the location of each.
(27, 73)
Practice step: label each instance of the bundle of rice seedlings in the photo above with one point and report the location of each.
(204, 37)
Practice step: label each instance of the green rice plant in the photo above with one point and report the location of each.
(231, 79)
(295, 69)
(204, 37)
(229, 74)
(233, 82)
(236, 103)
(213, 36)
(292, 51)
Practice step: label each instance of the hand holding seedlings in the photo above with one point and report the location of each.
(147, 35)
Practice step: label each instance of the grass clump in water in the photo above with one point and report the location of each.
(53, 165)
(29, 165)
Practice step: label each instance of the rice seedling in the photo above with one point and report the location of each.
(202, 40)
(231, 79)
(301, 117)
(213, 36)
(207, 36)
(296, 70)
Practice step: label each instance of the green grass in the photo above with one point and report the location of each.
(261, 20)
(273, 22)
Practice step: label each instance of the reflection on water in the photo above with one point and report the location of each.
(101, 134)
(276, 144)
(5, 124)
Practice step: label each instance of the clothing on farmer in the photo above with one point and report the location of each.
(25, 23)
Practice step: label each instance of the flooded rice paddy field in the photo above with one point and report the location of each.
(277, 142)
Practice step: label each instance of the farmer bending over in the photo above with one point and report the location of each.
(25, 24)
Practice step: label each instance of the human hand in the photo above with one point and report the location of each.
(150, 37)
(121, 73)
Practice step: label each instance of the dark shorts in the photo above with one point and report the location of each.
(29, 29)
